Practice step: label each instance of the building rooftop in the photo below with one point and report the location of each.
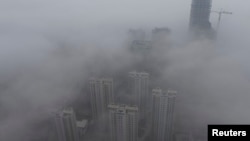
(122, 107)
(82, 124)
(100, 79)
(160, 92)
(138, 74)
(68, 110)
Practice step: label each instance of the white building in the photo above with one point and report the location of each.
(82, 127)
(139, 83)
(162, 114)
(123, 122)
(65, 122)
(101, 94)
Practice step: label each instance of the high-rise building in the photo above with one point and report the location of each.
(141, 46)
(139, 84)
(65, 122)
(82, 127)
(200, 14)
(138, 43)
(123, 122)
(101, 95)
(162, 114)
(159, 34)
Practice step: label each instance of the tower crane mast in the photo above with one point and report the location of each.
(220, 14)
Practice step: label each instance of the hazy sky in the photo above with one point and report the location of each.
(76, 15)
(64, 17)
(80, 13)
(71, 20)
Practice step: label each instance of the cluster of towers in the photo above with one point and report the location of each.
(124, 118)
(157, 106)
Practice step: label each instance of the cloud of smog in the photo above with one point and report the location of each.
(41, 74)
(47, 55)
(213, 88)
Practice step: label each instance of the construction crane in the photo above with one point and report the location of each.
(220, 13)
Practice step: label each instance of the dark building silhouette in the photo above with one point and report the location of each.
(200, 14)
(200, 25)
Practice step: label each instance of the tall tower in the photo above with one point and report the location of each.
(200, 15)
(123, 121)
(162, 114)
(65, 122)
(139, 83)
(101, 95)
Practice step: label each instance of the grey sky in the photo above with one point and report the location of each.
(90, 17)
(77, 15)
(55, 15)
(86, 12)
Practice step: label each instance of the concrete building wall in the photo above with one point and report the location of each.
(162, 114)
(65, 122)
(101, 94)
(123, 122)
(139, 85)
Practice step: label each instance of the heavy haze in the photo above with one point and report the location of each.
(49, 48)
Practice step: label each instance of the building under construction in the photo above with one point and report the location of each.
(200, 14)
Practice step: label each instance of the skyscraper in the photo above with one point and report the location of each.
(123, 121)
(162, 114)
(65, 122)
(139, 83)
(200, 14)
(101, 94)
